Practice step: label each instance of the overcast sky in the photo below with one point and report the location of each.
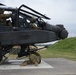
(60, 11)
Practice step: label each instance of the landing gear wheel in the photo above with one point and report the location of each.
(39, 57)
(35, 58)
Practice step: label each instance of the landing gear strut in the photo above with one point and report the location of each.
(25, 50)
(34, 56)
(0, 58)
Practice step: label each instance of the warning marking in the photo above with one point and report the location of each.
(15, 64)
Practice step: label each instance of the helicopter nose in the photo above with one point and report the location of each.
(64, 34)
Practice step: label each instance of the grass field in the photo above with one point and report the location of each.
(62, 49)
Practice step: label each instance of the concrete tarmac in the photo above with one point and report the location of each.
(60, 66)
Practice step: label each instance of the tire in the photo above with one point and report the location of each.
(37, 54)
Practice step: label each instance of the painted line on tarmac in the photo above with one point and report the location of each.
(15, 64)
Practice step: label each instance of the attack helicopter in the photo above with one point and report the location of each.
(25, 29)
